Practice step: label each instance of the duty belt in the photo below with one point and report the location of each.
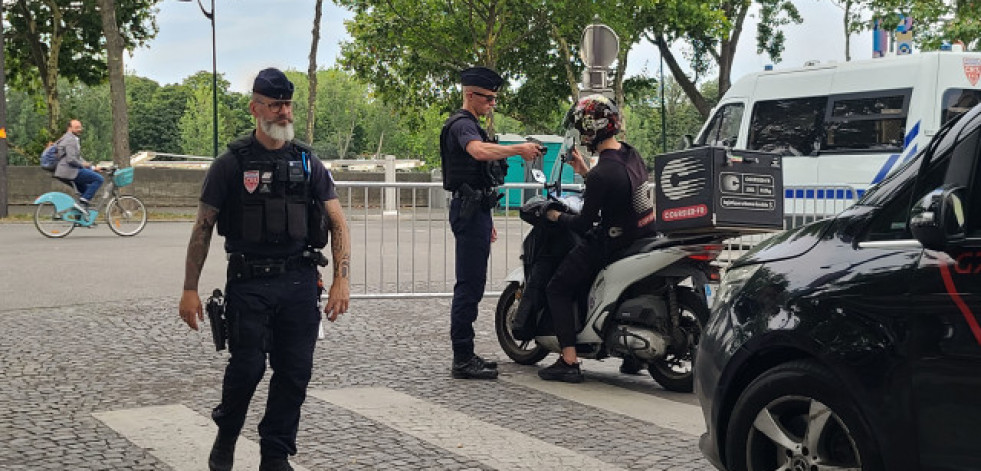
(244, 267)
(481, 192)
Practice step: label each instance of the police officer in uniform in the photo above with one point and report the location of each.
(473, 165)
(275, 203)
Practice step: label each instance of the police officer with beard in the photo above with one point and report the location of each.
(275, 203)
(473, 165)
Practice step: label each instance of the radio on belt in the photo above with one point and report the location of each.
(708, 189)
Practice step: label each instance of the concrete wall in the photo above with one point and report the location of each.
(179, 188)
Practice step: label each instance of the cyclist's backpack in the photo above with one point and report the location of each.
(49, 158)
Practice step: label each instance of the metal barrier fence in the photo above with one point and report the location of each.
(404, 248)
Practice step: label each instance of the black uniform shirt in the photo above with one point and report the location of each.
(225, 176)
(462, 132)
(609, 194)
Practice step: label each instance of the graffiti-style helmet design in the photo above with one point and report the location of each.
(597, 119)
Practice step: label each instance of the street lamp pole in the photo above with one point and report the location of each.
(210, 14)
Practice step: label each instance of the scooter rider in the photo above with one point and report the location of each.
(617, 209)
(472, 166)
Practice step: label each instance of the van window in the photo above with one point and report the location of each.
(867, 121)
(789, 126)
(957, 101)
(723, 129)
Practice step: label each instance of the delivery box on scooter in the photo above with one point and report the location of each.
(707, 189)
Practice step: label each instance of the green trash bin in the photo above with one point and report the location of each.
(520, 172)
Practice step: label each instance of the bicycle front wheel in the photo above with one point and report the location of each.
(126, 215)
(50, 223)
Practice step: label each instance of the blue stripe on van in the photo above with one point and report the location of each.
(821, 194)
(894, 158)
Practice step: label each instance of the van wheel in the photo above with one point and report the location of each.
(675, 372)
(796, 416)
(522, 352)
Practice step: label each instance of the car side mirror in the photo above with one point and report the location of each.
(687, 141)
(938, 217)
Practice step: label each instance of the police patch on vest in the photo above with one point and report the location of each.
(251, 180)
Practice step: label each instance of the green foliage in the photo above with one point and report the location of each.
(933, 21)
(154, 113)
(643, 114)
(63, 38)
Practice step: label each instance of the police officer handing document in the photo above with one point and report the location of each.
(274, 202)
(472, 167)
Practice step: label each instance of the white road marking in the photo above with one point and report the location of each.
(685, 418)
(458, 433)
(177, 435)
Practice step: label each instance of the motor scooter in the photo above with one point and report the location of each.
(648, 306)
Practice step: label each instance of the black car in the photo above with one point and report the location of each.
(854, 342)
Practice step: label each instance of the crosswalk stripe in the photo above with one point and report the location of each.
(458, 433)
(685, 418)
(176, 435)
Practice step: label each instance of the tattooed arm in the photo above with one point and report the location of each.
(339, 296)
(197, 253)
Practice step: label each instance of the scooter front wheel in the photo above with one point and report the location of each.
(51, 223)
(522, 352)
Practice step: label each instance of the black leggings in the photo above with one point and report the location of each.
(574, 275)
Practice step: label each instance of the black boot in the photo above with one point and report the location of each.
(275, 464)
(631, 366)
(222, 452)
(473, 368)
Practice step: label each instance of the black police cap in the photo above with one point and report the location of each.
(273, 83)
(481, 77)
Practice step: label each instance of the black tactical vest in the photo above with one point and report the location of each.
(273, 203)
(459, 167)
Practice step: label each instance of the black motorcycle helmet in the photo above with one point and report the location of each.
(596, 118)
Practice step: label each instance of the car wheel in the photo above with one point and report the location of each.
(796, 417)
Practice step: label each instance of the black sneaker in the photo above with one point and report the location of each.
(487, 363)
(275, 464)
(474, 368)
(631, 366)
(562, 371)
(222, 453)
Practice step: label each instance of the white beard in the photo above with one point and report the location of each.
(279, 132)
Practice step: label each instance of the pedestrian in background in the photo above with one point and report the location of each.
(473, 166)
(268, 194)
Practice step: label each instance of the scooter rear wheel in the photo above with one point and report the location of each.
(676, 370)
(522, 352)
(50, 223)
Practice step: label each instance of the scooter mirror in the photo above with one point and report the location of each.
(538, 175)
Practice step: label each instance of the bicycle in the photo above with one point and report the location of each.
(58, 213)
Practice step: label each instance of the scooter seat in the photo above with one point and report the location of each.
(660, 241)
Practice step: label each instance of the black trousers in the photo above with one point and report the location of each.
(573, 277)
(472, 236)
(277, 318)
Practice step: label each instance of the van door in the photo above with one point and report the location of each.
(946, 364)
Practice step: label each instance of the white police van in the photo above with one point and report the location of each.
(843, 127)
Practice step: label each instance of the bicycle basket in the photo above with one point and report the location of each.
(123, 176)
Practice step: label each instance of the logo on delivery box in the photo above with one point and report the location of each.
(686, 212)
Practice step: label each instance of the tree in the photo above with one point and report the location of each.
(312, 70)
(411, 51)
(63, 38)
(196, 123)
(712, 30)
(117, 84)
(934, 21)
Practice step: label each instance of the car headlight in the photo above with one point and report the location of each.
(734, 279)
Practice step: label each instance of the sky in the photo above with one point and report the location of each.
(254, 34)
